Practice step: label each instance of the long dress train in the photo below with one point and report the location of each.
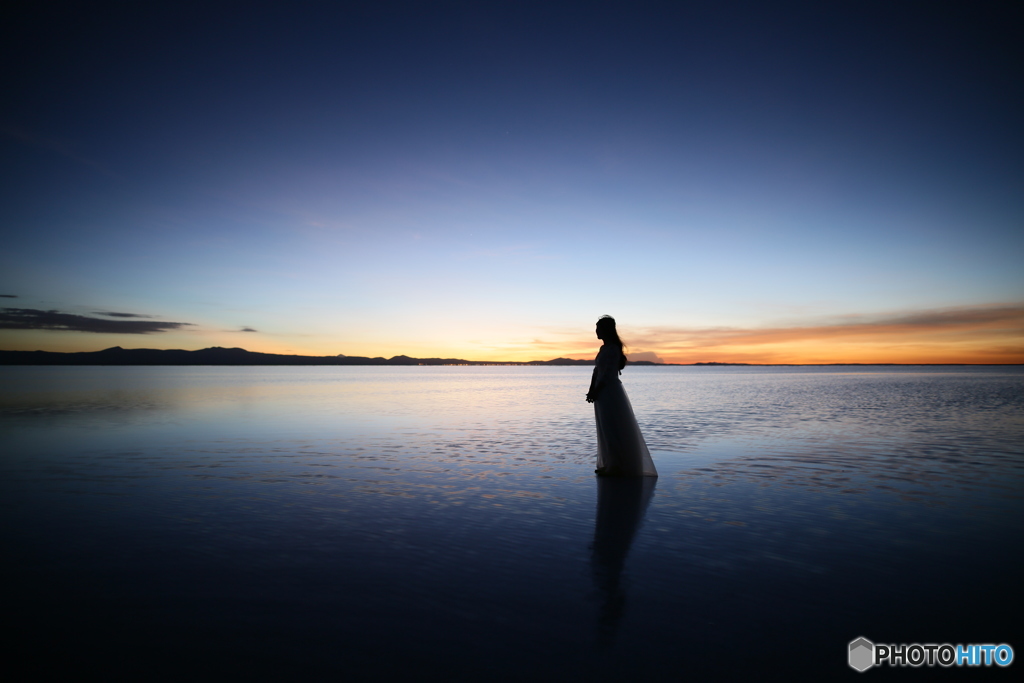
(621, 450)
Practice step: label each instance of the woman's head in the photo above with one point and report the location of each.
(606, 328)
(606, 331)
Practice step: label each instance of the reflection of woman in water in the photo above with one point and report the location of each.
(621, 451)
(621, 504)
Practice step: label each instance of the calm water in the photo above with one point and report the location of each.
(371, 522)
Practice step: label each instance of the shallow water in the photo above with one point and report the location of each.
(370, 522)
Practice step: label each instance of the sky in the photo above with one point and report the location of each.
(734, 182)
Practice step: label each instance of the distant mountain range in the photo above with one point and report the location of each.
(221, 356)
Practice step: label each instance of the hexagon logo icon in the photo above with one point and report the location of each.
(862, 654)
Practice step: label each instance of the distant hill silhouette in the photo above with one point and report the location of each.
(221, 356)
(717, 363)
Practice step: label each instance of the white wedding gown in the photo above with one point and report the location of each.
(621, 450)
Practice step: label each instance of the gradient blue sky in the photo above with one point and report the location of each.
(769, 182)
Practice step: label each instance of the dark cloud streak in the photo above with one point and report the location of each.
(35, 319)
(112, 314)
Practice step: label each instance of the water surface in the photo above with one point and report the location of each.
(367, 522)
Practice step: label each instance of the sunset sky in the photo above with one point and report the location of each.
(757, 182)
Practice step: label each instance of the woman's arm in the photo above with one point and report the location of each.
(595, 385)
(600, 376)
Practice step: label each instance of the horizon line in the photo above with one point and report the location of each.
(467, 362)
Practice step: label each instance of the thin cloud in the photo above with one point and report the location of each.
(905, 325)
(976, 334)
(34, 319)
(248, 329)
(56, 146)
(8, 296)
(112, 314)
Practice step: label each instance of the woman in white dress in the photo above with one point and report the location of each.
(621, 450)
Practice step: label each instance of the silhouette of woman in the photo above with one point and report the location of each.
(621, 450)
